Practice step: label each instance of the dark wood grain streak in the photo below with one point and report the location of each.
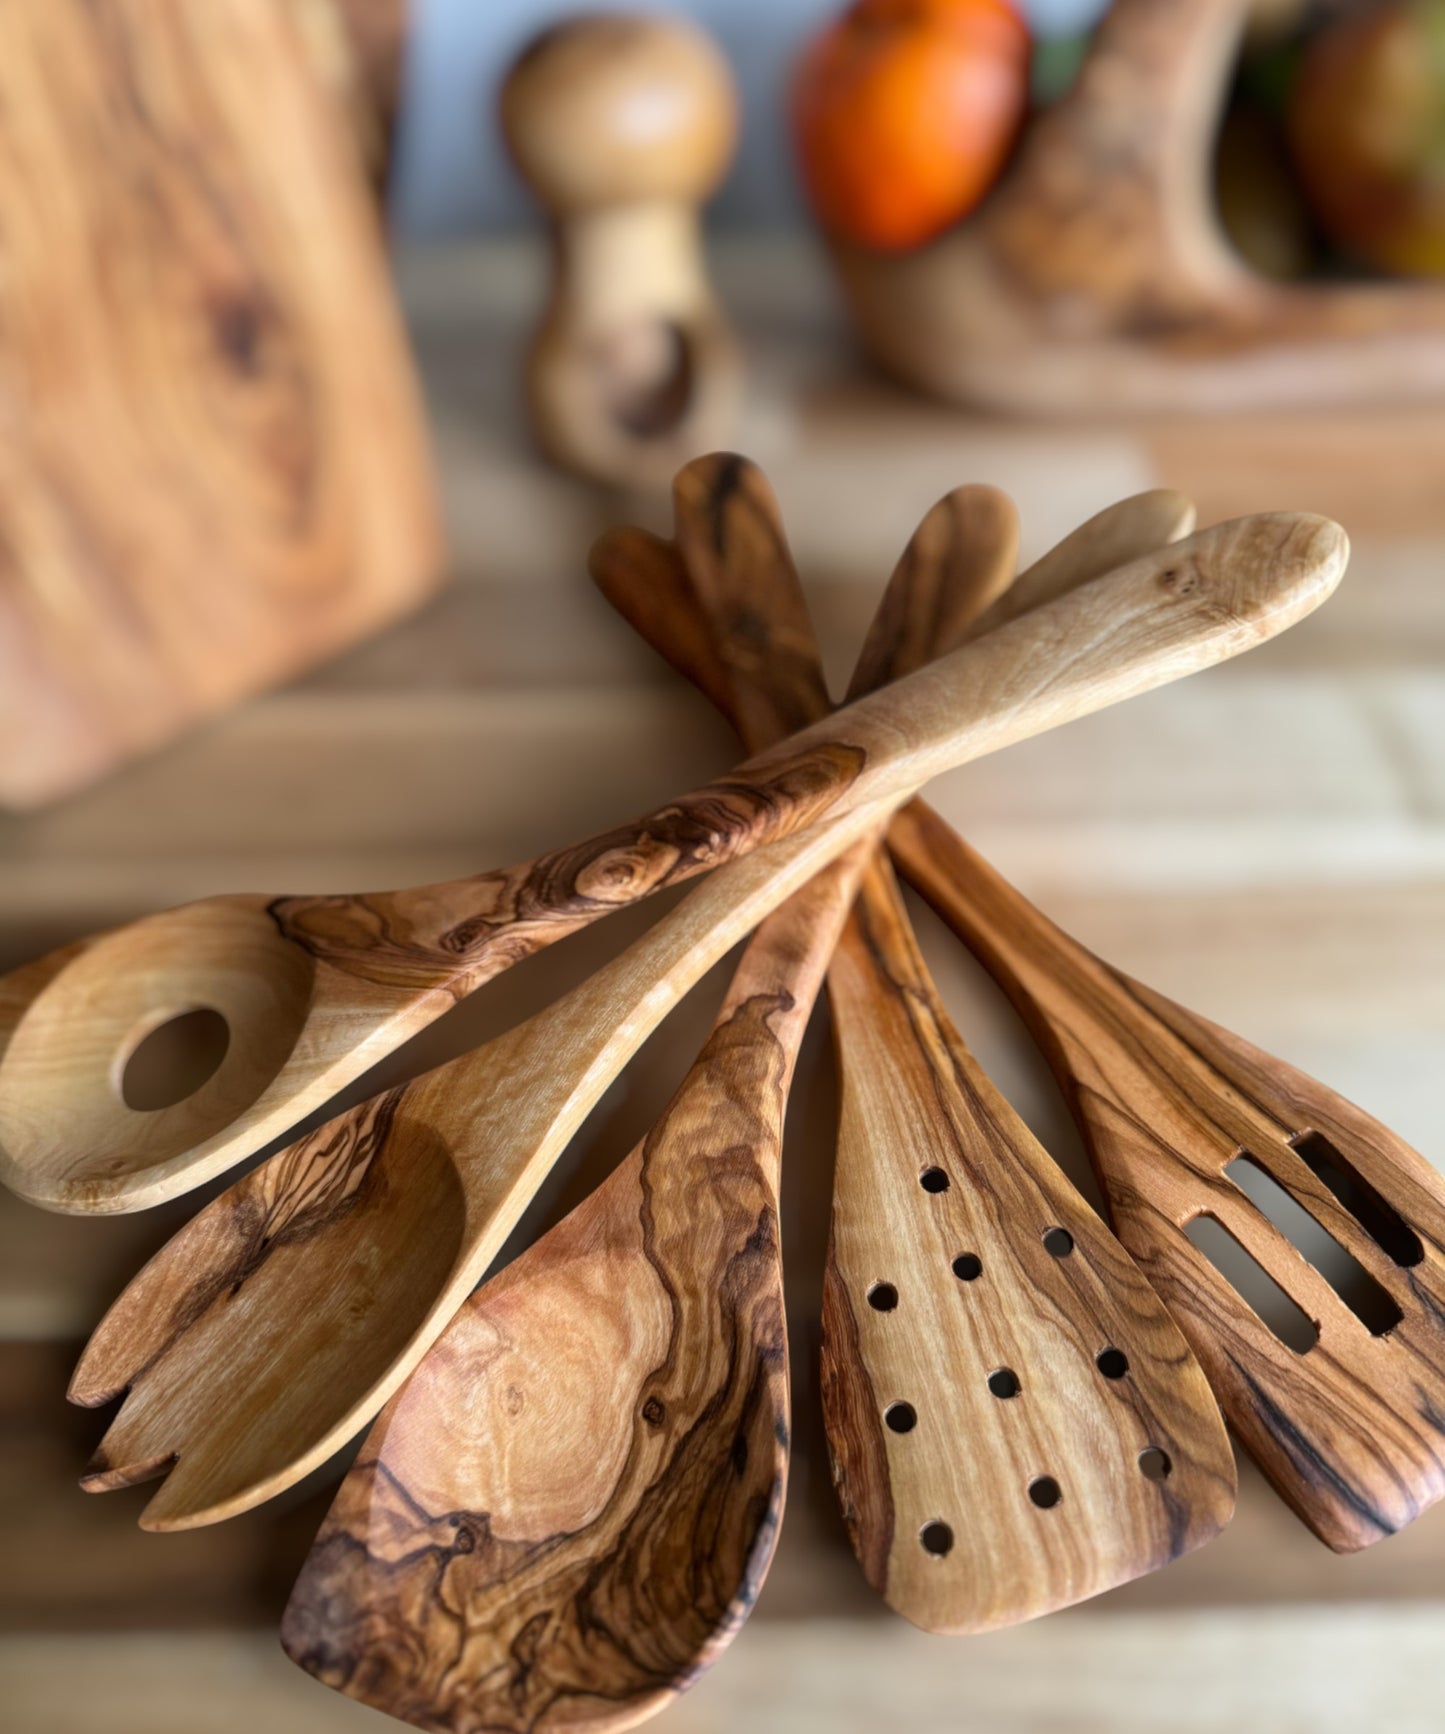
(569, 1509)
(407, 939)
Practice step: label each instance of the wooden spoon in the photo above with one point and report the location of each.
(1015, 1421)
(567, 1512)
(316, 990)
(278, 1322)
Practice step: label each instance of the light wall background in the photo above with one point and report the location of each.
(452, 174)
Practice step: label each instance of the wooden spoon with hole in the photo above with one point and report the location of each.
(276, 1324)
(316, 990)
(1014, 1420)
(566, 1513)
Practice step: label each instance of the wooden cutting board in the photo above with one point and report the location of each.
(213, 464)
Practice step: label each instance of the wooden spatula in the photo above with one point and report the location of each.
(278, 1322)
(1015, 1422)
(315, 990)
(587, 1470)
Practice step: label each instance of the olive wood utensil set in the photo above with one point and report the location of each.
(566, 1512)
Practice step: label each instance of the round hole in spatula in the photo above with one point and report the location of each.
(1155, 1465)
(968, 1267)
(173, 1060)
(1112, 1363)
(647, 376)
(1004, 1382)
(936, 1538)
(883, 1297)
(1059, 1242)
(1045, 1492)
(933, 1180)
(900, 1417)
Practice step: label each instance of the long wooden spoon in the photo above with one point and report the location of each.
(1015, 1422)
(316, 990)
(278, 1322)
(566, 1513)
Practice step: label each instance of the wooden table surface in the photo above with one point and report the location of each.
(1265, 843)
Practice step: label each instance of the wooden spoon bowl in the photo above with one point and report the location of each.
(81, 1030)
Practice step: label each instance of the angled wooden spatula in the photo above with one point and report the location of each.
(1014, 1420)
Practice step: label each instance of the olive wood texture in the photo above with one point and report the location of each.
(1097, 277)
(217, 471)
(983, 1333)
(315, 990)
(279, 1321)
(568, 1511)
(622, 126)
(1350, 1426)
(358, 49)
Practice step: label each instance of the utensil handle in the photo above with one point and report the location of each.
(1168, 614)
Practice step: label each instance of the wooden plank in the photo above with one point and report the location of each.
(1328, 1672)
(301, 772)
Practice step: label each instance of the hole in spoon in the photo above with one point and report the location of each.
(174, 1060)
(1004, 1382)
(933, 1180)
(968, 1267)
(883, 1297)
(1154, 1464)
(937, 1538)
(1059, 1242)
(1112, 1363)
(901, 1417)
(1045, 1492)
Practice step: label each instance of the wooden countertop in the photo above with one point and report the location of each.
(1265, 843)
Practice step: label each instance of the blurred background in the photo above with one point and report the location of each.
(315, 392)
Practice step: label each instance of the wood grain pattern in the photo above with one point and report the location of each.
(567, 1512)
(316, 990)
(281, 1318)
(983, 1334)
(1097, 275)
(219, 473)
(1350, 1429)
(623, 126)
(358, 48)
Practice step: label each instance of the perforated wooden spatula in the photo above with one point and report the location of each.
(1014, 1420)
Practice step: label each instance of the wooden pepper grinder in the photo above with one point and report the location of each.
(623, 126)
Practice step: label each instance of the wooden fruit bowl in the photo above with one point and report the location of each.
(1097, 276)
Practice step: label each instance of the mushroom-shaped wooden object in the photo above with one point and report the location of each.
(1097, 277)
(623, 126)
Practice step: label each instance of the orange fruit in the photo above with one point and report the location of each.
(905, 111)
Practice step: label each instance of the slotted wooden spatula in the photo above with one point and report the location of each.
(1014, 1420)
